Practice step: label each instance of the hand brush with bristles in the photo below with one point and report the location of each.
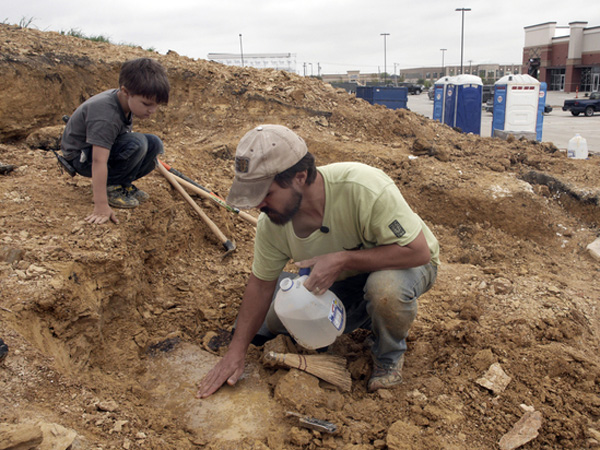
(329, 368)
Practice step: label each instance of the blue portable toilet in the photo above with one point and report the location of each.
(439, 96)
(462, 107)
(541, 106)
(449, 103)
(519, 102)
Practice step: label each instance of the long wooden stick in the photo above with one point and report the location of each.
(229, 246)
(207, 193)
(244, 215)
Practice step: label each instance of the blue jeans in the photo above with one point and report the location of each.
(384, 302)
(132, 156)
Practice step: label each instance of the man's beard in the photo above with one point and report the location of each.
(290, 210)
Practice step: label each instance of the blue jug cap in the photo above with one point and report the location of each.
(304, 271)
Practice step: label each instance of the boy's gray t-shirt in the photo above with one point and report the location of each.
(100, 120)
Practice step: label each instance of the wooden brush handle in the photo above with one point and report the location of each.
(287, 359)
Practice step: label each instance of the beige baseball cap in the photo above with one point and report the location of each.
(262, 153)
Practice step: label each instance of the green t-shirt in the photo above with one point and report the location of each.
(363, 209)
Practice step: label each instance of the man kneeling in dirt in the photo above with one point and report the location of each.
(349, 223)
(98, 141)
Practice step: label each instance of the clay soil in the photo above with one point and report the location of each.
(84, 308)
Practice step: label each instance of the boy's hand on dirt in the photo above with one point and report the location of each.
(229, 369)
(100, 216)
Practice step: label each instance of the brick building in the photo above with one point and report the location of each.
(566, 58)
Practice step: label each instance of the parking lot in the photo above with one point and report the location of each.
(559, 126)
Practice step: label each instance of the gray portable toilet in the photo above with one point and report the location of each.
(462, 107)
(439, 97)
(518, 107)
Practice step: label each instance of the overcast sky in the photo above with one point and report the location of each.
(332, 35)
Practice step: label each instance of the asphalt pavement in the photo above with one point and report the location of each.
(558, 127)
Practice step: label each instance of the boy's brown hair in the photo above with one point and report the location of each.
(145, 77)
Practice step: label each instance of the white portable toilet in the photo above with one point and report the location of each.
(518, 106)
(439, 98)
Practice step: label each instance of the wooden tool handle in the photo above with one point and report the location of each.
(247, 217)
(171, 178)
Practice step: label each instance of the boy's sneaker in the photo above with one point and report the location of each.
(118, 197)
(385, 378)
(136, 193)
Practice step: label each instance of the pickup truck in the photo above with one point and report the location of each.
(583, 105)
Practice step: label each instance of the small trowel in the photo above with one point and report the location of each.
(314, 424)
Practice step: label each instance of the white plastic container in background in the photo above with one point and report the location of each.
(314, 321)
(577, 147)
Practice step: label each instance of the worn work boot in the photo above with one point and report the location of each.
(118, 197)
(138, 194)
(385, 378)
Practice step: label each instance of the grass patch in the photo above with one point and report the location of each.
(79, 34)
(25, 22)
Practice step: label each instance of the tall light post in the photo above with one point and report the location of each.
(385, 35)
(462, 36)
(241, 50)
(443, 50)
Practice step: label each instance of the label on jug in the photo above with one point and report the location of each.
(336, 314)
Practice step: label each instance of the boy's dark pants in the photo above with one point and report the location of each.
(132, 156)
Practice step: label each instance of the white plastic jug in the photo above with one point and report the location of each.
(577, 147)
(314, 321)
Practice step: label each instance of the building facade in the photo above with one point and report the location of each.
(489, 73)
(566, 58)
(278, 61)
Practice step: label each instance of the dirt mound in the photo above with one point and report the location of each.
(86, 310)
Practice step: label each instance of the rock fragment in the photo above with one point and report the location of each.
(594, 249)
(525, 430)
(495, 379)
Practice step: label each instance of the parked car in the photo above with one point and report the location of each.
(489, 106)
(414, 89)
(487, 92)
(582, 105)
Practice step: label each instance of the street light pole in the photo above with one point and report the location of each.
(385, 35)
(443, 70)
(462, 36)
(241, 50)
